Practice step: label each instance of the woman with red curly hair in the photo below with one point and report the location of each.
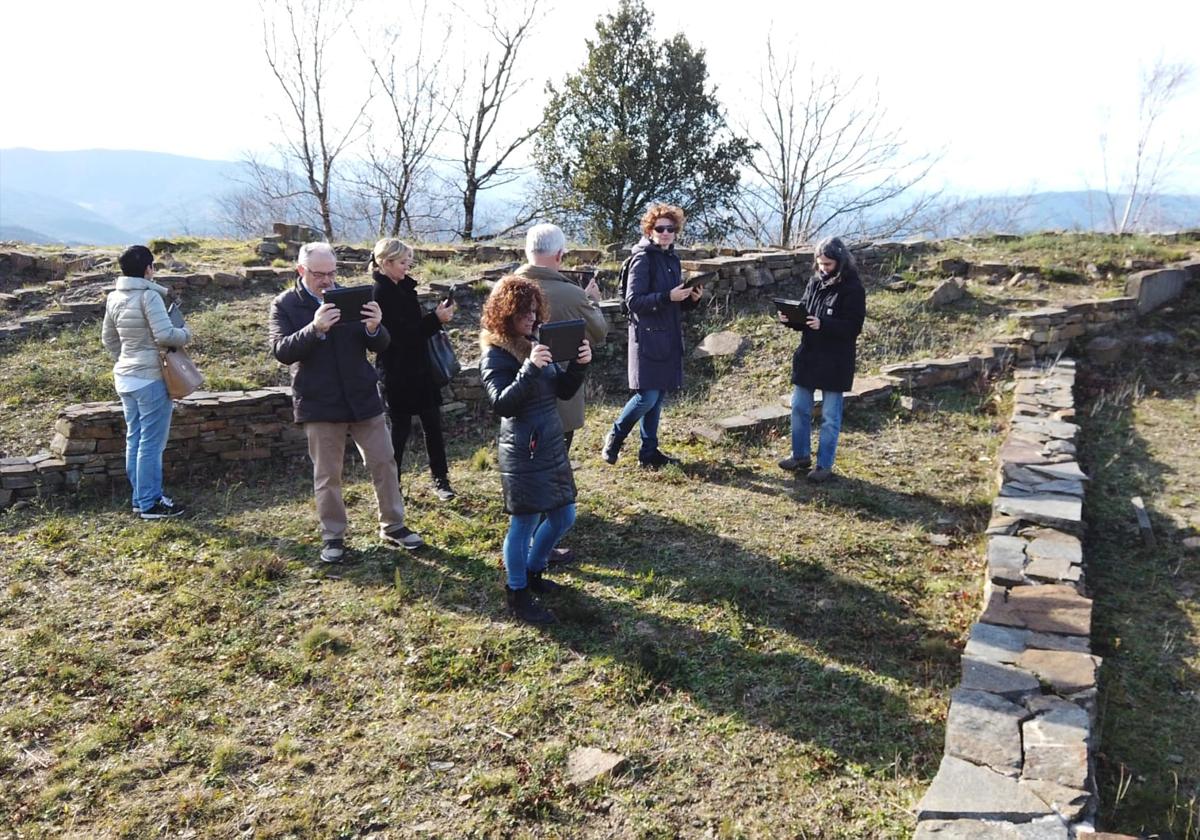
(523, 386)
(656, 297)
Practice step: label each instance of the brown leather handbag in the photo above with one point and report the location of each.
(180, 373)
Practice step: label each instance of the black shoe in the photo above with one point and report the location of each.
(560, 557)
(442, 488)
(656, 460)
(542, 585)
(612, 446)
(402, 537)
(334, 552)
(164, 508)
(524, 606)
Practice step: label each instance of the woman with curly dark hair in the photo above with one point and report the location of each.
(523, 386)
(656, 298)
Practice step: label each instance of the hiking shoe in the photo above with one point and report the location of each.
(656, 460)
(820, 474)
(795, 464)
(542, 585)
(560, 557)
(611, 448)
(164, 508)
(525, 607)
(442, 489)
(334, 551)
(402, 537)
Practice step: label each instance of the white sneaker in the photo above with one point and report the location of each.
(402, 537)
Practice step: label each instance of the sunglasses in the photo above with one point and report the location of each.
(664, 228)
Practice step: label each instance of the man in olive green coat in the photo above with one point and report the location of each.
(545, 247)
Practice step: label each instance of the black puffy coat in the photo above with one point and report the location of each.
(332, 380)
(404, 365)
(655, 321)
(825, 359)
(535, 471)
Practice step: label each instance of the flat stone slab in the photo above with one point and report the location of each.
(1065, 671)
(1063, 469)
(965, 790)
(1006, 559)
(996, 678)
(720, 344)
(1044, 509)
(1048, 544)
(587, 764)
(1069, 803)
(985, 729)
(1049, 828)
(1056, 721)
(1053, 608)
(1052, 569)
(993, 643)
(1055, 641)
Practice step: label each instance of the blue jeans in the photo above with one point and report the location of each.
(645, 405)
(147, 425)
(831, 425)
(529, 540)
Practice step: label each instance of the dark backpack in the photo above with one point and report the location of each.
(623, 283)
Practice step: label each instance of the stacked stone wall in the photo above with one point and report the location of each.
(1020, 734)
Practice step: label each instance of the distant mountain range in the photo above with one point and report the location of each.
(106, 197)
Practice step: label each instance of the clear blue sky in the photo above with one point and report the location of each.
(1016, 94)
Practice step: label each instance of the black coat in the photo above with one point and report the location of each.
(404, 365)
(655, 321)
(332, 380)
(535, 471)
(825, 359)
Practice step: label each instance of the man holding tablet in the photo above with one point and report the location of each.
(335, 390)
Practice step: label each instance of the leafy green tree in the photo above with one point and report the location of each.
(636, 125)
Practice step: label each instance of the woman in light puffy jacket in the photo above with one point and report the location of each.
(523, 386)
(136, 325)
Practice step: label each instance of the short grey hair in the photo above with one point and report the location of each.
(310, 248)
(544, 239)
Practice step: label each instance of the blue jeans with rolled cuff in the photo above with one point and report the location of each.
(147, 426)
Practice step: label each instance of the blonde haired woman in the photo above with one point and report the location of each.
(404, 365)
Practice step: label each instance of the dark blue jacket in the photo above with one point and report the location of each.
(332, 380)
(535, 471)
(655, 321)
(825, 359)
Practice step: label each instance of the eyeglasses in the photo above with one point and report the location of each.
(322, 275)
(664, 228)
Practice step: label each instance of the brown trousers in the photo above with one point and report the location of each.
(327, 449)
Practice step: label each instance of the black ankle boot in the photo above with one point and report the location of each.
(543, 585)
(612, 447)
(527, 608)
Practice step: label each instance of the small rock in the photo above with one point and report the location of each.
(1104, 350)
(1160, 338)
(1191, 543)
(587, 764)
(946, 292)
(720, 344)
(915, 405)
(939, 539)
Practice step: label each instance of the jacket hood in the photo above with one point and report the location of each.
(131, 284)
(644, 244)
(518, 348)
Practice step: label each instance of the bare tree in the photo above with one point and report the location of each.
(1152, 157)
(825, 154)
(297, 57)
(484, 155)
(418, 104)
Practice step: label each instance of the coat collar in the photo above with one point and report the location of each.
(537, 272)
(519, 348)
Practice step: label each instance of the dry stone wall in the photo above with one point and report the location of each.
(1020, 734)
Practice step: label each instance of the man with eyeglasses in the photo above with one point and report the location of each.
(335, 390)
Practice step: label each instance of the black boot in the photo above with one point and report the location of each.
(612, 446)
(543, 585)
(527, 608)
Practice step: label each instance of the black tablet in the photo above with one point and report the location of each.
(564, 339)
(793, 309)
(350, 301)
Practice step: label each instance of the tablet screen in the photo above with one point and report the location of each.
(350, 301)
(563, 338)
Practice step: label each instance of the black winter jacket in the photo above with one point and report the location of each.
(535, 471)
(332, 380)
(655, 321)
(825, 359)
(404, 365)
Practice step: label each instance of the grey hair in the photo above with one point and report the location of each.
(544, 239)
(310, 248)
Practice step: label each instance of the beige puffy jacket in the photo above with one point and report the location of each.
(136, 324)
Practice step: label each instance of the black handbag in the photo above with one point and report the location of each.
(443, 364)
